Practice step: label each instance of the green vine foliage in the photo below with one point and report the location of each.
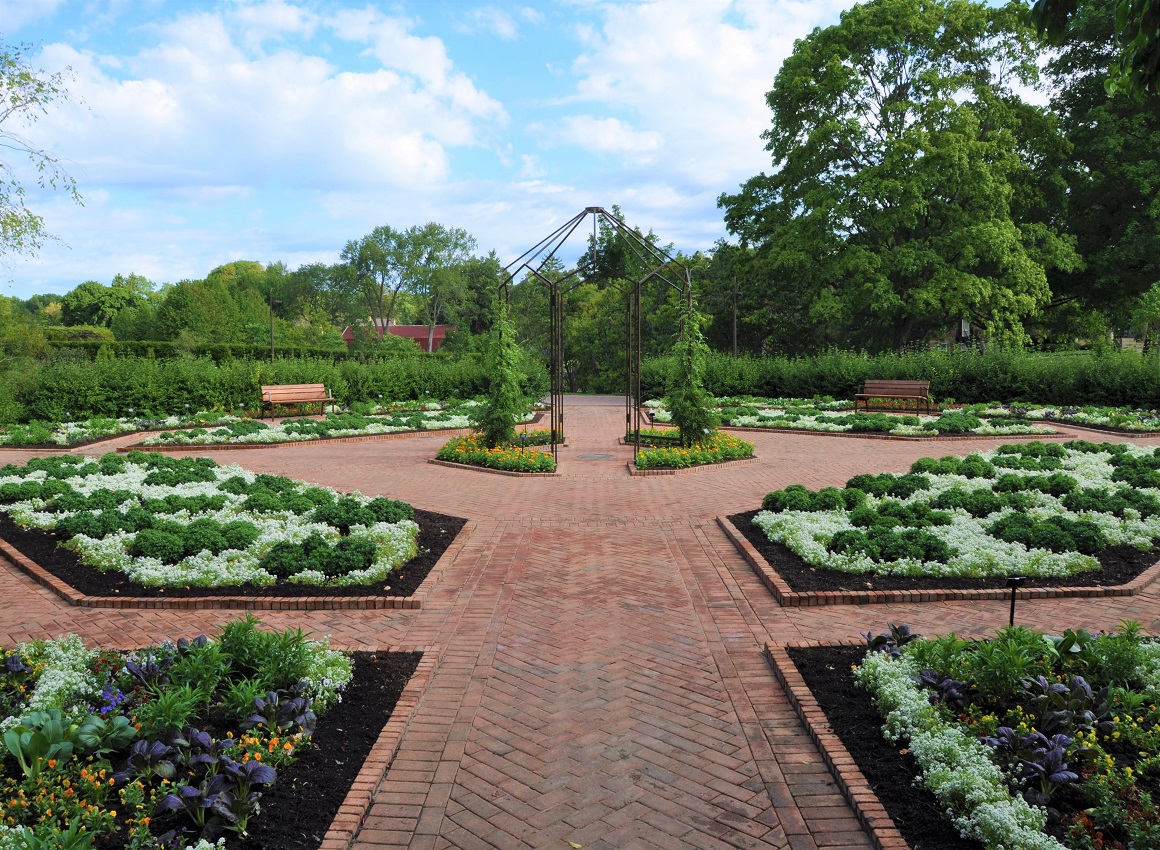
(496, 418)
(687, 399)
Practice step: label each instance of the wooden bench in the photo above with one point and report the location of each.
(295, 395)
(917, 390)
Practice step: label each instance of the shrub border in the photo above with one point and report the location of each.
(240, 603)
(348, 822)
(871, 814)
(789, 598)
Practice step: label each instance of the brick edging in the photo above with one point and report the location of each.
(632, 470)
(906, 438)
(352, 813)
(238, 603)
(354, 438)
(789, 598)
(852, 782)
(453, 465)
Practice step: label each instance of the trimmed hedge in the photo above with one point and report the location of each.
(112, 386)
(1073, 378)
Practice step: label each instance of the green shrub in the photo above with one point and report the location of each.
(888, 484)
(344, 513)
(389, 510)
(1056, 534)
(883, 543)
(972, 466)
(162, 545)
(203, 534)
(795, 497)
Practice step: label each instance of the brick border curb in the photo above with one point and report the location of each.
(633, 471)
(900, 437)
(239, 603)
(352, 813)
(453, 465)
(354, 438)
(789, 598)
(853, 784)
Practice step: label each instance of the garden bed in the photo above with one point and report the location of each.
(830, 417)
(315, 732)
(191, 528)
(799, 584)
(842, 721)
(519, 459)
(436, 533)
(352, 729)
(1024, 740)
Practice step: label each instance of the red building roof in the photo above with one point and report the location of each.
(415, 332)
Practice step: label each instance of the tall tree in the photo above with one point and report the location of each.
(896, 141)
(92, 303)
(1113, 175)
(25, 94)
(1133, 67)
(374, 273)
(431, 262)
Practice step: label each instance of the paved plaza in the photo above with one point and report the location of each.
(601, 680)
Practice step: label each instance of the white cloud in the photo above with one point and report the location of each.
(600, 135)
(197, 110)
(15, 14)
(273, 19)
(424, 58)
(696, 72)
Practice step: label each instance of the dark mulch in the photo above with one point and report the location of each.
(298, 808)
(436, 531)
(1118, 565)
(888, 771)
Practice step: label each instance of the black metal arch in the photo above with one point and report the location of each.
(662, 269)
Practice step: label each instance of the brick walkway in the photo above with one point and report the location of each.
(601, 679)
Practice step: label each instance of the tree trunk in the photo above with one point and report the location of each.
(903, 328)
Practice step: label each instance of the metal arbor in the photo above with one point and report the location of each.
(662, 269)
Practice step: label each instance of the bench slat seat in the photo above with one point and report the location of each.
(295, 395)
(917, 390)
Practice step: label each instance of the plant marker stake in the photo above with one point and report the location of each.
(1015, 582)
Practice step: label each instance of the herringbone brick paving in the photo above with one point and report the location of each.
(601, 679)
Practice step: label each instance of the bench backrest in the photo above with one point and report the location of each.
(880, 386)
(285, 392)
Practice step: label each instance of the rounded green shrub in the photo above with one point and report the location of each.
(154, 543)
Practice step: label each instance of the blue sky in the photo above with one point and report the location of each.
(204, 131)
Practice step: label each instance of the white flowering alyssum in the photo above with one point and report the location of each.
(278, 521)
(955, 767)
(971, 549)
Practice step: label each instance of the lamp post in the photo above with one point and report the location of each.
(273, 303)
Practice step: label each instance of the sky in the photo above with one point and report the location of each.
(205, 131)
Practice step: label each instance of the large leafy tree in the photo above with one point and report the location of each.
(25, 94)
(93, 303)
(897, 143)
(1113, 174)
(372, 272)
(431, 259)
(1133, 31)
